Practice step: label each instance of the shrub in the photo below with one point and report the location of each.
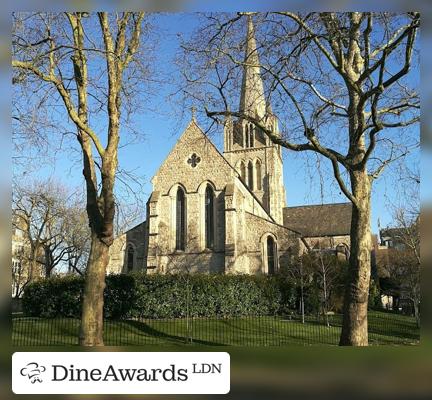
(56, 296)
(163, 296)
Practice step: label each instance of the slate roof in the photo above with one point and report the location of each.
(319, 220)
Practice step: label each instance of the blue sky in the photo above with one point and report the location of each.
(162, 128)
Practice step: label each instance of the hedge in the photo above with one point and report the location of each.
(164, 296)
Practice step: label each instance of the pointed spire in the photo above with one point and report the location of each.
(252, 99)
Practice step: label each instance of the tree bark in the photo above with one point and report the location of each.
(91, 330)
(354, 325)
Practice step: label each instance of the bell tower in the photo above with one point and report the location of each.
(246, 147)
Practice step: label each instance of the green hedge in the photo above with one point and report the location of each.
(163, 296)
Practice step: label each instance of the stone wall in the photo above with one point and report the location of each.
(251, 246)
(137, 239)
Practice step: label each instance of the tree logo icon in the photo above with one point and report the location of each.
(33, 370)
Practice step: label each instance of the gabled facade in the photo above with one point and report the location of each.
(203, 217)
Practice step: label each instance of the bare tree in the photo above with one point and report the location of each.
(90, 64)
(327, 271)
(406, 214)
(404, 272)
(70, 238)
(77, 239)
(403, 261)
(53, 228)
(342, 88)
(300, 275)
(38, 209)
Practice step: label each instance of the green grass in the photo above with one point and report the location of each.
(384, 328)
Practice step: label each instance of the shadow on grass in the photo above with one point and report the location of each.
(150, 331)
(248, 331)
(394, 331)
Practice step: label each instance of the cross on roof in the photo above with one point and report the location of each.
(193, 111)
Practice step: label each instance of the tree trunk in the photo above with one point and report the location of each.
(354, 324)
(91, 331)
(416, 312)
(34, 265)
(48, 262)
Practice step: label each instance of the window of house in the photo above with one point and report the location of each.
(209, 217)
(180, 219)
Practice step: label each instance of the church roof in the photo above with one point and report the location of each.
(319, 220)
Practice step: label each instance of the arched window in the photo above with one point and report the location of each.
(238, 136)
(260, 136)
(209, 217)
(271, 256)
(251, 135)
(250, 175)
(180, 219)
(243, 171)
(258, 175)
(130, 258)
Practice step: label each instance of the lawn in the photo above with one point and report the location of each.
(384, 328)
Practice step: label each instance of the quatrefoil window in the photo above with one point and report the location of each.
(194, 160)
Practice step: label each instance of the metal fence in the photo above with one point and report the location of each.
(384, 328)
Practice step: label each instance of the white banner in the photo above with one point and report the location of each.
(120, 373)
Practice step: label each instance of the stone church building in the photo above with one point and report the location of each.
(214, 212)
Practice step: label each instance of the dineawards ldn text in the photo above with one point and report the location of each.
(113, 374)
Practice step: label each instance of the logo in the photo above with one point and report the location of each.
(103, 372)
(33, 371)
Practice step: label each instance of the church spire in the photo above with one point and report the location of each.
(252, 99)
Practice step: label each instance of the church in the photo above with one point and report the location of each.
(226, 212)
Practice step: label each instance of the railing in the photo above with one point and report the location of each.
(384, 328)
